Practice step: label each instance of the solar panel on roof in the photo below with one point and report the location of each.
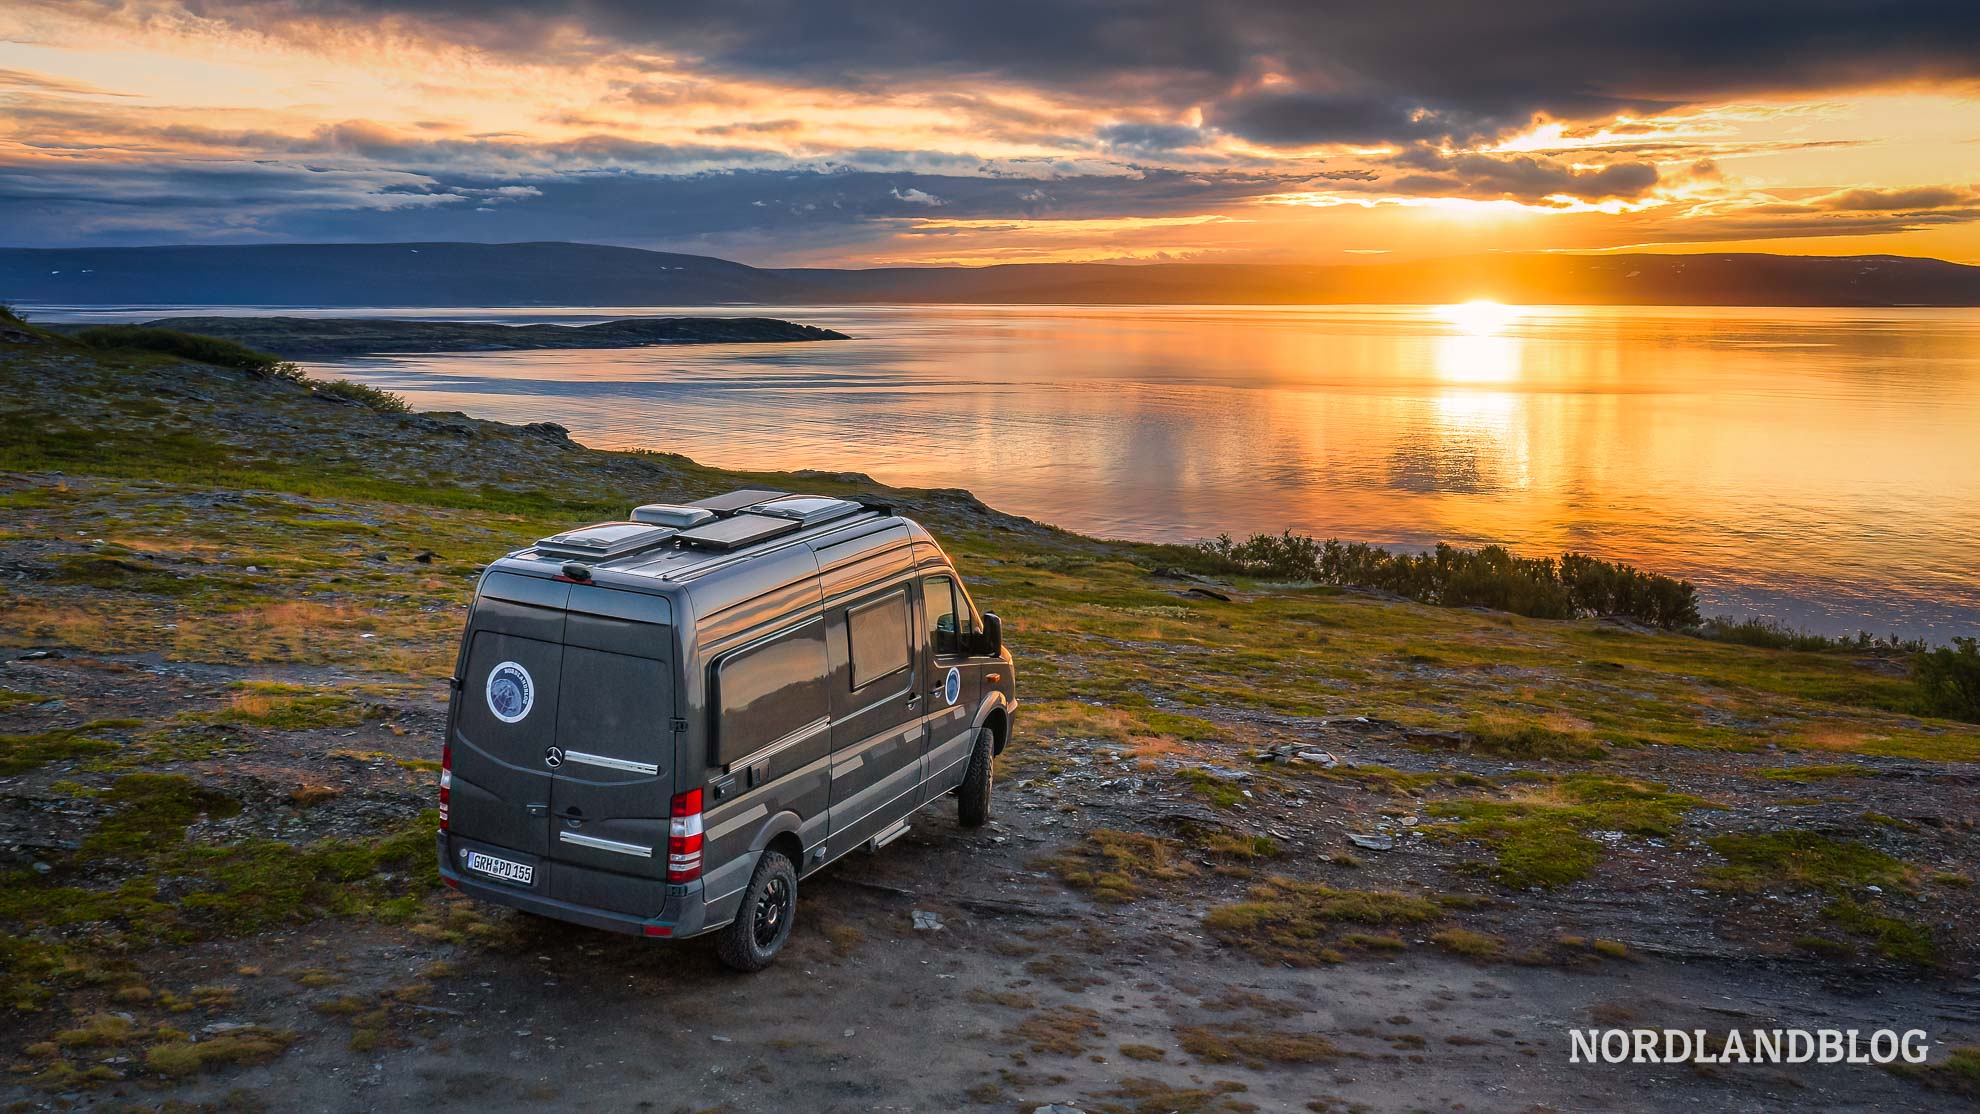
(736, 500)
(737, 531)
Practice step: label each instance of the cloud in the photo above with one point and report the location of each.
(41, 83)
(1394, 72)
(1915, 198)
(1150, 138)
(916, 197)
(1525, 178)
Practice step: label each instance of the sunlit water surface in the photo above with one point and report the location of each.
(1817, 466)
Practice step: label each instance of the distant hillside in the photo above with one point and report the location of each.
(534, 274)
(295, 337)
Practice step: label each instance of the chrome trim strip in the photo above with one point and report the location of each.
(790, 739)
(737, 821)
(633, 849)
(611, 763)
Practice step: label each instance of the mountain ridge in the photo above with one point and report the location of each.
(545, 273)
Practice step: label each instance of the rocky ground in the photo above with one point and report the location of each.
(1258, 846)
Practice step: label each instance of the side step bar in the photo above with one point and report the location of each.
(898, 829)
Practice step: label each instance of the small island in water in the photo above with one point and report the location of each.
(293, 337)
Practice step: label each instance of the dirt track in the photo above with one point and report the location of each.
(865, 1012)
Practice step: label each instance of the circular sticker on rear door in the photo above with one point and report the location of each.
(511, 692)
(952, 685)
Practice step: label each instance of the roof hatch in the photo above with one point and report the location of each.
(605, 540)
(671, 514)
(809, 510)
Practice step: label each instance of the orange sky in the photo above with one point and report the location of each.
(1243, 136)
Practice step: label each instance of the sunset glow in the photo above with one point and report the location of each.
(932, 138)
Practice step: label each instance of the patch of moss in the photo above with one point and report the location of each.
(1255, 1047)
(252, 1045)
(1295, 922)
(10, 699)
(1114, 865)
(150, 807)
(1219, 791)
(287, 708)
(1135, 1095)
(1958, 1072)
(90, 570)
(1817, 773)
(1538, 837)
(1470, 944)
(1894, 938)
(1515, 737)
(21, 753)
(1063, 1031)
(1761, 860)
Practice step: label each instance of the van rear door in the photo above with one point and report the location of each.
(504, 716)
(615, 775)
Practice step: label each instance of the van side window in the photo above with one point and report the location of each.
(948, 615)
(769, 690)
(878, 635)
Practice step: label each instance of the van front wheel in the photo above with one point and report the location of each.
(763, 922)
(973, 795)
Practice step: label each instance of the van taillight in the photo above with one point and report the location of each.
(446, 781)
(684, 838)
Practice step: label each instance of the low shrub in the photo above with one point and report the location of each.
(1450, 576)
(1949, 679)
(385, 402)
(191, 346)
(1771, 634)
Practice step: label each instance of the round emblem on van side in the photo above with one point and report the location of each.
(952, 685)
(511, 692)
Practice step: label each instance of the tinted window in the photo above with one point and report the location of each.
(766, 691)
(878, 632)
(945, 604)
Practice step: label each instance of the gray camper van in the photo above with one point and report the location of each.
(659, 726)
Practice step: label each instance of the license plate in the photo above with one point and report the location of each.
(501, 868)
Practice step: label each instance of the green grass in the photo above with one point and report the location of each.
(1818, 773)
(1538, 837)
(1894, 938)
(1116, 866)
(21, 753)
(1289, 921)
(10, 699)
(1759, 861)
(190, 346)
(285, 707)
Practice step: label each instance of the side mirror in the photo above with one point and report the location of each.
(991, 640)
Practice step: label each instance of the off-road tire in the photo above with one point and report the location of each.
(749, 943)
(973, 795)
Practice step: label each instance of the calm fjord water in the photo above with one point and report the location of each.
(1819, 466)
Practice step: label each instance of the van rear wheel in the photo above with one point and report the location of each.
(973, 795)
(763, 922)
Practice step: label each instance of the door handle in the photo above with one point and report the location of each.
(913, 699)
